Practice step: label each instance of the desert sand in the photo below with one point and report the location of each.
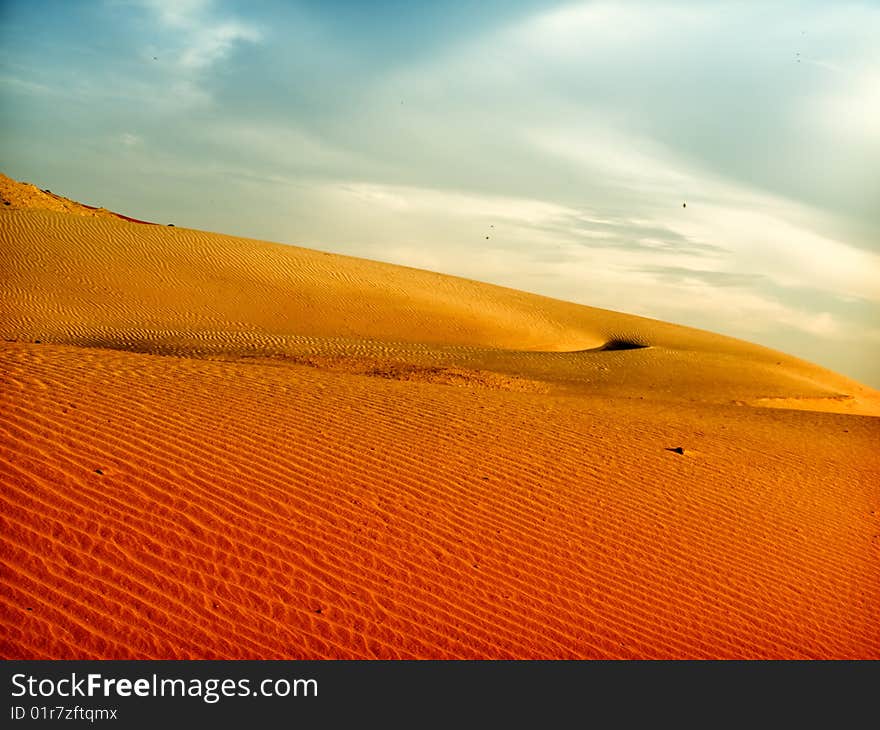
(215, 447)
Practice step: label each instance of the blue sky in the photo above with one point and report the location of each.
(570, 133)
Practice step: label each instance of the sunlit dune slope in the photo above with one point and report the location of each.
(102, 282)
(213, 447)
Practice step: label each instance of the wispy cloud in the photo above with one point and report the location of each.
(25, 86)
(851, 108)
(203, 35)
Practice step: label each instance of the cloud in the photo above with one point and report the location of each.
(283, 148)
(16, 84)
(561, 31)
(212, 44)
(619, 157)
(763, 238)
(179, 13)
(740, 231)
(849, 109)
(204, 37)
(484, 208)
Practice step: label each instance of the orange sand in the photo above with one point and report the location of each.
(225, 448)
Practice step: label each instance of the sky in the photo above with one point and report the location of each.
(713, 164)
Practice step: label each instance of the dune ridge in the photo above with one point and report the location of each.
(16, 195)
(191, 293)
(214, 447)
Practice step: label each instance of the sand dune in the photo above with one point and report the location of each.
(98, 282)
(213, 447)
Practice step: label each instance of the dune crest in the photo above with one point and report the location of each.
(16, 195)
